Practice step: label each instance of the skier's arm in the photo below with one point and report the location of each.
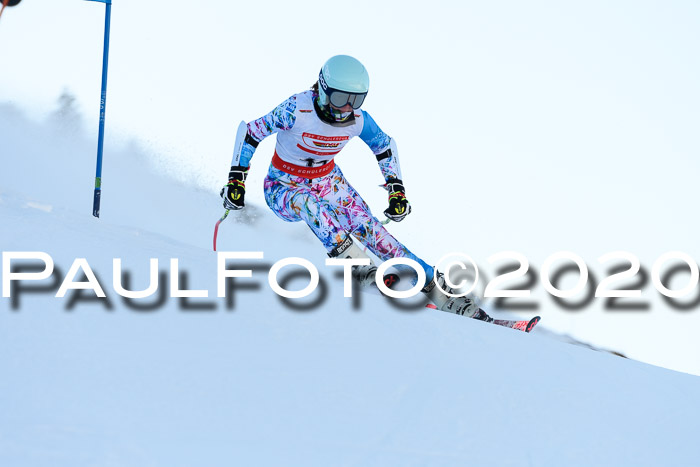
(281, 118)
(247, 140)
(384, 149)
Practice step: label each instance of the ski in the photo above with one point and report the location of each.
(520, 325)
(391, 279)
(525, 325)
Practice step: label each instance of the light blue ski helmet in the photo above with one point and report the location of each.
(343, 80)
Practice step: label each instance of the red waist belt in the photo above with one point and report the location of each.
(300, 170)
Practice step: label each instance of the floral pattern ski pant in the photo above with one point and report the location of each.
(332, 208)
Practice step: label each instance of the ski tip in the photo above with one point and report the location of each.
(532, 323)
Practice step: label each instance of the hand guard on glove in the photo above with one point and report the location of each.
(399, 207)
(234, 191)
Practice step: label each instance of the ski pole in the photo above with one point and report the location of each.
(103, 103)
(216, 228)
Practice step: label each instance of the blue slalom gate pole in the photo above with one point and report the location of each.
(103, 104)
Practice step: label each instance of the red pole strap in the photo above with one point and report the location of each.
(4, 4)
(216, 228)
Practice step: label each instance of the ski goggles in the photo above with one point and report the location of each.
(339, 98)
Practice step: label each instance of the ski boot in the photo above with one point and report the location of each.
(364, 275)
(465, 306)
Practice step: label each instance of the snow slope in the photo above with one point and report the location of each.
(253, 381)
(262, 384)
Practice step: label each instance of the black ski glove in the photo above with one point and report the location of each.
(399, 207)
(234, 191)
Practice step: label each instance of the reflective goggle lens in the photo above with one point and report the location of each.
(341, 99)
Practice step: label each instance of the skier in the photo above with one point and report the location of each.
(305, 184)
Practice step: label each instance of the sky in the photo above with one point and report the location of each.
(533, 127)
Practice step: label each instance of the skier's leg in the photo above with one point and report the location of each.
(298, 199)
(295, 199)
(355, 216)
(332, 208)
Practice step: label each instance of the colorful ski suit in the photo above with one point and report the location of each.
(304, 183)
